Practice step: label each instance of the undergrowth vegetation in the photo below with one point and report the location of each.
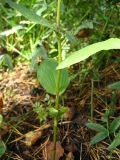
(66, 45)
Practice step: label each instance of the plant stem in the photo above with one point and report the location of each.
(58, 78)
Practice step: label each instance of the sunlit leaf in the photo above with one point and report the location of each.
(29, 14)
(84, 53)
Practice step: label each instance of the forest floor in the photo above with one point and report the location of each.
(27, 139)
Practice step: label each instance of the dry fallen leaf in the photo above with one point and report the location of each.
(84, 33)
(70, 113)
(5, 129)
(49, 151)
(32, 137)
(70, 156)
(71, 148)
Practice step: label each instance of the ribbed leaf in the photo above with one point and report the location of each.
(115, 124)
(115, 143)
(96, 127)
(115, 86)
(2, 148)
(99, 137)
(84, 53)
(47, 76)
(27, 13)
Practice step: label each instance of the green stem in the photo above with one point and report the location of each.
(58, 77)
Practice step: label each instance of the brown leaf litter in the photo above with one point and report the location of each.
(28, 140)
(49, 151)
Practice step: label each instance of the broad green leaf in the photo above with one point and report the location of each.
(1, 120)
(99, 137)
(47, 76)
(115, 143)
(96, 127)
(115, 124)
(27, 13)
(2, 148)
(84, 53)
(8, 61)
(115, 86)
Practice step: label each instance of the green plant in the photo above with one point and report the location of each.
(1, 120)
(6, 60)
(44, 112)
(55, 81)
(41, 111)
(2, 148)
(2, 144)
(84, 53)
(109, 129)
(115, 86)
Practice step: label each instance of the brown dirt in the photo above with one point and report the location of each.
(20, 90)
